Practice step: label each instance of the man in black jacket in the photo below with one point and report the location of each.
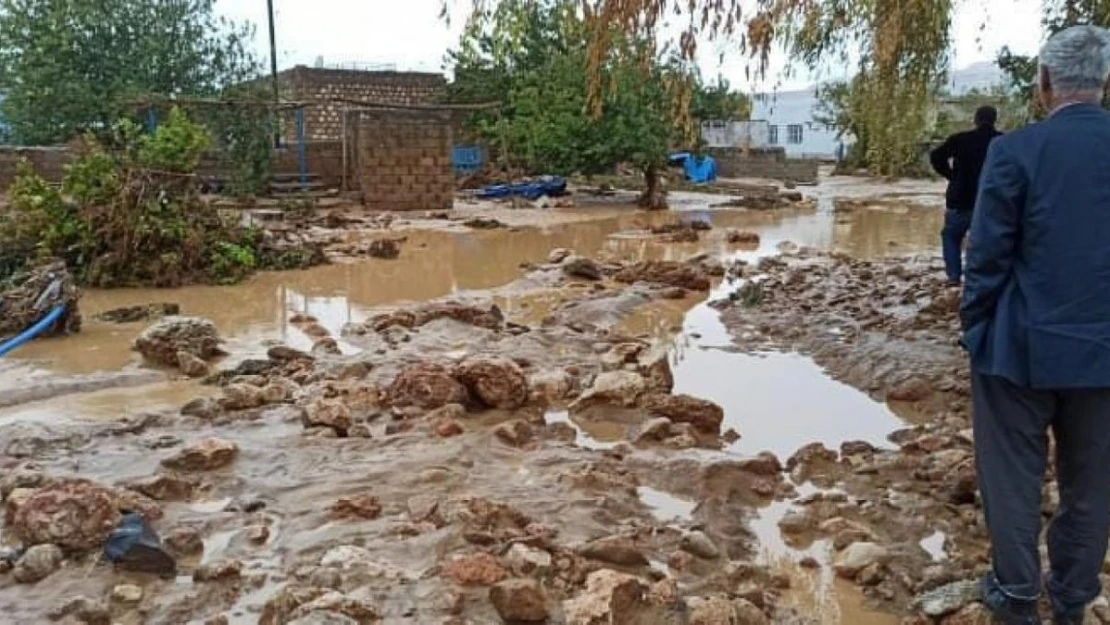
(960, 161)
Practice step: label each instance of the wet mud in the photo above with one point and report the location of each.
(488, 429)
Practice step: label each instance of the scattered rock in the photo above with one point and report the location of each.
(972, 614)
(618, 550)
(426, 385)
(337, 604)
(448, 428)
(515, 433)
(185, 541)
(257, 534)
(450, 412)
(947, 599)
(857, 556)
(704, 415)
(479, 569)
(666, 273)
(549, 387)
(331, 413)
(580, 267)
(142, 312)
(37, 563)
(284, 353)
(75, 515)
(527, 560)
(653, 430)
(910, 389)
(218, 571)
(519, 601)
(83, 610)
(163, 341)
(610, 597)
(558, 255)
(127, 593)
(496, 382)
(358, 507)
(742, 237)
(207, 455)
(191, 365)
(242, 397)
(206, 408)
(700, 545)
(619, 388)
(165, 487)
(384, 248)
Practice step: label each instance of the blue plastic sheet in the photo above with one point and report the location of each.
(697, 170)
(135, 546)
(552, 186)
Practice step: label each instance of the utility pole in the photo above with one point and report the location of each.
(273, 71)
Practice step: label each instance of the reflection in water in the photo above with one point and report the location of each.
(666, 506)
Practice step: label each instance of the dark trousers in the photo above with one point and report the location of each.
(1011, 425)
(956, 225)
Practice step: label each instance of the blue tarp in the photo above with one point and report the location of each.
(696, 170)
(550, 186)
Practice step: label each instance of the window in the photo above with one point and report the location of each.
(794, 134)
(773, 135)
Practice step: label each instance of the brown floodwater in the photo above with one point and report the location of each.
(777, 402)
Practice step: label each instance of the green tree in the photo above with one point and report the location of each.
(68, 66)
(718, 101)
(531, 57)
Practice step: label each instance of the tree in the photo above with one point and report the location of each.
(718, 101)
(67, 66)
(531, 56)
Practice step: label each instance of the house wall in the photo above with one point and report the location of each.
(721, 134)
(325, 90)
(48, 162)
(770, 162)
(404, 159)
(783, 110)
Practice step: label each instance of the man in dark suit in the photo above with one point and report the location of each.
(1036, 319)
(959, 160)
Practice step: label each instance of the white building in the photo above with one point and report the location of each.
(790, 124)
(746, 134)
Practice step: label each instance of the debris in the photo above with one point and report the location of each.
(426, 385)
(161, 342)
(519, 601)
(365, 507)
(135, 546)
(496, 382)
(581, 267)
(142, 312)
(37, 563)
(479, 569)
(221, 570)
(703, 414)
(207, 455)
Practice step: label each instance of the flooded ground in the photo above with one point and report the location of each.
(777, 401)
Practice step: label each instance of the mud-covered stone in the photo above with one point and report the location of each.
(700, 545)
(703, 414)
(76, 515)
(331, 413)
(479, 569)
(857, 556)
(911, 389)
(191, 365)
(519, 601)
(618, 550)
(617, 388)
(496, 382)
(221, 570)
(83, 610)
(162, 341)
(164, 487)
(367, 507)
(515, 433)
(37, 563)
(426, 385)
(667, 273)
(242, 397)
(581, 267)
(356, 610)
(549, 387)
(206, 455)
(609, 597)
(947, 599)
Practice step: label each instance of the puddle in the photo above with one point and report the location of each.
(591, 435)
(665, 506)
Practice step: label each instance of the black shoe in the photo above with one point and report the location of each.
(1074, 619)
(1005, 610)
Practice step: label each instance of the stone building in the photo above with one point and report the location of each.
(326, 92)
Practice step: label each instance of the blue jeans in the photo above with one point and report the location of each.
(956, 225)
(1011, 425)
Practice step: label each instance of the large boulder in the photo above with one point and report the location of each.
(703, 414)
(165, 340)
(426, 385)
(74, 514)
(496, 382)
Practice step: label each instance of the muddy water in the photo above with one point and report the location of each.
(776, 401)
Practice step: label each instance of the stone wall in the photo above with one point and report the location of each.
(404, 159)
(49, 162)
(770, 162)
(324, 91)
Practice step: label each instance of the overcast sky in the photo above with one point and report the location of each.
(410, 35)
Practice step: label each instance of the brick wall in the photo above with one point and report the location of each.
(762, 163)
(404, 159)
(324, 89)
(324, 159)
(49, 162)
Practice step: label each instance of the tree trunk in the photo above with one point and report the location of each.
(654, 196)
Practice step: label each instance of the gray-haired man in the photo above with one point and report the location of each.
(1036, 318)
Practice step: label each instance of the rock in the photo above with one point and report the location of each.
(162, 342)
(479, 569)
(610, 598)
(618, 550)
(345, 557)
(450, 412)
(739, 237)
(700, 545)
(766, 464)
(527, 560)
(746, 613)
(871, 575)
(448, 428)
(910, 389)
(37, 563)
(257, 534)
(164, 487)
(242, 397)
(515, 433)
(331, 413)
(653, 430)
(191, 366)
(185, 541)
(579, 267)
(704, 415)
(971, 614)
(83, 610)
(620, 355)
(127, 593)
(206, 408)
(75, 515)
(426, 385)
(336, 603)
(206, 455)
(558, 255)
(655, 365)
(141, 312)
(496, 382)
(279, 390)
(388, 249)
(947, 599)
(666, 273)
(845, 532)
(711, 611)
(519, 601)
(795, 522)
(358, 507)
(284, 353)
(857, 556)
(218, 571)
(619, 388)
(323, 618)
(549, 387)
(673, 292)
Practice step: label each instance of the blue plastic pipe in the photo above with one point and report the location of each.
(38, 328)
